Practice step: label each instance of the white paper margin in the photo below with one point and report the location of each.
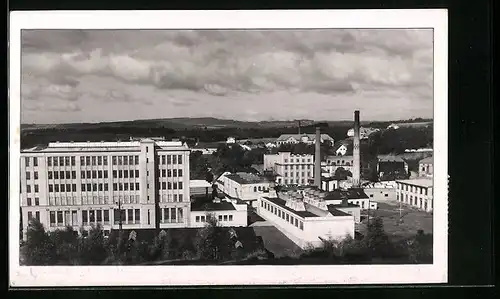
(54, 276)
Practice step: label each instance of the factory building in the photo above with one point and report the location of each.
(290, 169)
(246, 187)
(417, 193)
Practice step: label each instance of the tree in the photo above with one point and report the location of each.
(38, 249)
(94, 250)
(209, 240)
(376, 240)
(66, 245)
(161, 248)
(420, 248)
(342, 174)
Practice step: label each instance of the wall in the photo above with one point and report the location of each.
(381, 194)
(239, 218)
(355, 211)
(363, 203)
(415, 197)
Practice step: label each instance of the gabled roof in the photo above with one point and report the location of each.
(428, 160)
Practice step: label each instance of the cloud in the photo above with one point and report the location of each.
(156, 68)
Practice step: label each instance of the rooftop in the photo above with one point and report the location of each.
(335, 212)
(390, 158)
(199, 184)
(352, 193)
(282, 203)
(200, 205)
(428, 160)
(246, 178)
(420, 182)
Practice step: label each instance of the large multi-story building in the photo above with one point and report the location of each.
(140, 184)
(290, 169)
(335, 162)
(416, 193)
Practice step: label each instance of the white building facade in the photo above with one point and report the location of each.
(291, 169)
(302, 138)
(228, 213)
(335, 162)
(306, 223)
(244, 186)
(417, 193)
(84, 183)
(426, 167)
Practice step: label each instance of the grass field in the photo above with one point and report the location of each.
(413, 220)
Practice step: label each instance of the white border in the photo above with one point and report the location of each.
(235, 275)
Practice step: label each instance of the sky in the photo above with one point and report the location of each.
(113, 75)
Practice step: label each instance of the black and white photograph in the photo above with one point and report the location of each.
(203, 153)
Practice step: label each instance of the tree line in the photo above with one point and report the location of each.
(213, 245)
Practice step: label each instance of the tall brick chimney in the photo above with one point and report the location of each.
(317, 158)
(356, 152)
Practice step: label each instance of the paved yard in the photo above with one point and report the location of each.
(413, 220)
(276, 242)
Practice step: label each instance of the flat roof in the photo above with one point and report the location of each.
(246, 178)
(352, 193)
(282, 203)
(336, 212)
(421, 182)
(199, 184)
(200, 205)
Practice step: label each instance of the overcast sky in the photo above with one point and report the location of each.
(110, 75)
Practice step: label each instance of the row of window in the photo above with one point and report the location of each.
(62, 188)
(127, 216)
(220, 218)
(37, 216)
(413, 189)
(28, 188)
(292, 181)
(29, 202)
(61, 161)
(170, 159)
(259, 188)
(291, 174)
(28, 175)
(298, 167)
(282, 214)
(171, 186)
(419, 202)
(56, 175)
(297, 160)
(172, 198)
(63, 218)
(93, 200)
(168, 173)
(28, 163)
(172, 215)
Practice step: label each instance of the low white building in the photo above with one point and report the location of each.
(416, 193)
(231, 140)
(227, 212)
(355, 196)
(302, 138)
(244, 186)
(305, 220)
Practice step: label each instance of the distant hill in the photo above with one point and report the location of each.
(193, 123)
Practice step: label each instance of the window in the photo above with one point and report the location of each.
(100, 187)
(68, 175)
(36, 188)
(30, 215)
(82, 174)
(73, 175)
(137, 186)
(197, 217)
(175, 185)
(147, 186)
(105, 160)
(166, 215)
(163, 160)
(125, 174)
(230, 217)
(63, 188)
(296, 222)
(83, 187)
(125, 160)
(179, 159)
(51, 188)
(169, 173)
(28, 176)
(68, 187)
(164, 185)
(120, 174)
(29, 201)
(287, 217)
(180, 197)
(115, 187)
(89, 174)
(130, 160)
(169, 184)
(49, 161)
(106, 216)
(115, 174)
(169, 159)
(180, 185)
(120, 160)
(61, 175)
(130, 215)
(147, 160)
(173, 214)
(180, 214)
(73, 161)
(125, 186)
(120, 187)
(105, 186)
(136, 173)
(301, 225)
(105, 174)
(131, 186)
(35, 161)
(254, 189)
(225, 217)
(137, 163)
(99, 174)
(52, 218)
(137, 216)
(73, 187)
(131, 172)
(220, 217)
(59, 217)
(89, 187)
(55, 161)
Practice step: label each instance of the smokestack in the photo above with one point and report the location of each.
(317, 158)
(356, 152)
